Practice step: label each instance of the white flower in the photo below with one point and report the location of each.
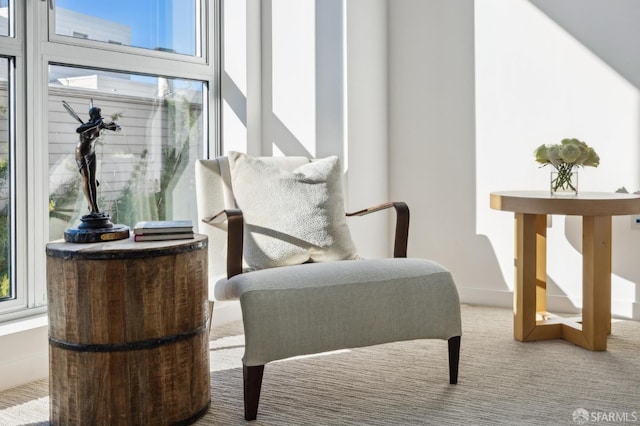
(564, 157)
(569, 151)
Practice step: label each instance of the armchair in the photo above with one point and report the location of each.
(333, 300)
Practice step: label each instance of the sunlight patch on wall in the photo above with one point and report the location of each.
(235, 131)
(276, 152)
(293, 68)
(234, 77)
(235, 43)
(625, 292)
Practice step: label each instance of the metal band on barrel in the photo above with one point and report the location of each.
(127, 346)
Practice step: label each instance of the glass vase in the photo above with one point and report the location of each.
(564, 182)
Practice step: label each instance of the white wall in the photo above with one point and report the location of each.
(432, 146)
(367, 129)
(25, 352)
(474, 88)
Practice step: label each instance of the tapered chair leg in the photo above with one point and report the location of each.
(252, 380)
(210, 316)
(454, 358)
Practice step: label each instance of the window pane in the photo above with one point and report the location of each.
(145, 171)
(6, 290)
(166, 25)
(5, 16)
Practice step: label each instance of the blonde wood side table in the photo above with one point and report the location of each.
(531, 320)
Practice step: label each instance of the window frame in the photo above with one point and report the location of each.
(203, 46)
(30, 173)
(12, 47)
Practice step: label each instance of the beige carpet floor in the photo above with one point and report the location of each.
(502, 382)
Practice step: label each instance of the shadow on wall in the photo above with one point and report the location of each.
(582, 18)
(624, 263)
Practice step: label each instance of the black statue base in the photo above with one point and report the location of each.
(95, 228)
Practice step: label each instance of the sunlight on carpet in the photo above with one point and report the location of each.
(37, 409)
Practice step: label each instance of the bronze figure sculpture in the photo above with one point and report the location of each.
(95, 226)
(86, 155)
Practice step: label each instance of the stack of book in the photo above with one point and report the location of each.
(158, 230)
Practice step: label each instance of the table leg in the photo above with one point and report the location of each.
(596, 286)
(530, 292)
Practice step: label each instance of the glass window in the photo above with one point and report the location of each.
(145, 170)
(6, 291)
(5, 17)
(164, 25)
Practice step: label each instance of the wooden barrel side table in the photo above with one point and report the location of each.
(128, 341)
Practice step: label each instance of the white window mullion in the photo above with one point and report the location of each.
(126, 62)
(36, 153)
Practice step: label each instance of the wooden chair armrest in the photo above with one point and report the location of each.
(235, 235)
(402, 224)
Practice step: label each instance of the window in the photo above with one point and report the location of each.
(164, 25)
(150, 68)
(6, 289)
(145, 170)
(6, 21)
(10, 50)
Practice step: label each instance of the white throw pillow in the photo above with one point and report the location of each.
(291, 217)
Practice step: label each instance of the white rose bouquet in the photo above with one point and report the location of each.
(566, 156)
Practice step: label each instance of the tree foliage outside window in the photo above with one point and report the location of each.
(5, 289)
(5, 201)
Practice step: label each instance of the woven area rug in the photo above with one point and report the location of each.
(502, 382)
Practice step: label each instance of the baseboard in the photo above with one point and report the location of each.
(622, 309)
(504, 299)
(485, 297)
(225, 312)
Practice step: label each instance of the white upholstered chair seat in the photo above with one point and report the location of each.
(317, 307)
